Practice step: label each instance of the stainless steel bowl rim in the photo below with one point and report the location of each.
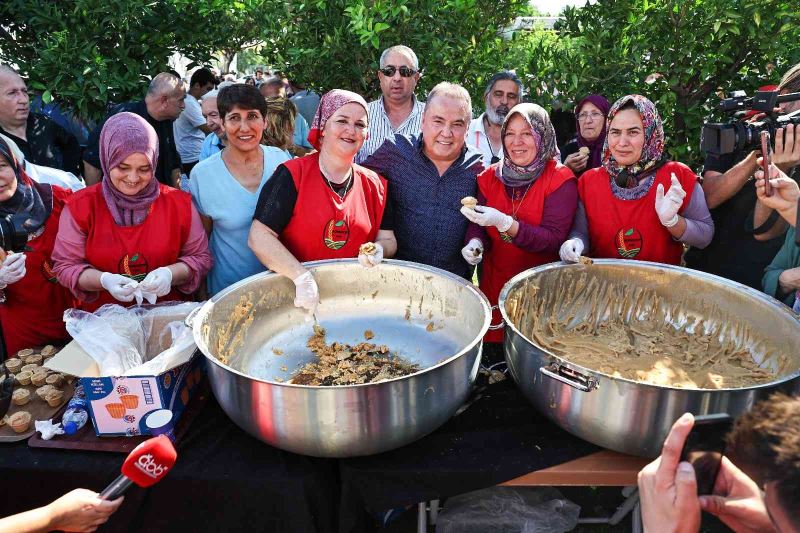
(778, 306)
(207, 306)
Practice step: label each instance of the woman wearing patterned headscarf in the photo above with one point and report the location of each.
(526, 204)
(323, 205)
(32, 303)
(624, 211)
(130, 237)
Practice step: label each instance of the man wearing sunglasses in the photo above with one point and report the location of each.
(503, 92)
(397, 111)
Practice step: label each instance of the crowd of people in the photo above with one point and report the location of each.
(202, 184)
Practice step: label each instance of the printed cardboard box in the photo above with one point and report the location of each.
(119, 405)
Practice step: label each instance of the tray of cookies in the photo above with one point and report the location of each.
(38, 392)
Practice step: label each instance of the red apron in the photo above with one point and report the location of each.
(630, 229)
(132, 251)
(33, 314)
(505, 260)
(323, 226)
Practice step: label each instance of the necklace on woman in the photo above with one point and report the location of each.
(345, 186)
(515, 207)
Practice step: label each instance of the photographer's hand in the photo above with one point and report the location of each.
(787, 148)
(785, 195)
(737, 501)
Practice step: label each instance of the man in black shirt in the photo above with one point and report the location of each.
(747, 233)
(41, 140)
(160, 107)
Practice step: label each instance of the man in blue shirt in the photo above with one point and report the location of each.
(428, 176)
(213, 143)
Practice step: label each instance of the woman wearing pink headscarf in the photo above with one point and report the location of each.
(323, 205)
(130, 236)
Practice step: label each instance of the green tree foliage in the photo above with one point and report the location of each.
(337, 43)
(682, 54)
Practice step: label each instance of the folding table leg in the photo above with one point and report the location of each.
(422, 517)
(434, 511)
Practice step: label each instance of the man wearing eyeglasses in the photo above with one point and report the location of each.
(503, 92)
(397, 111)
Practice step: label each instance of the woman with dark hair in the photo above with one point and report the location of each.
(323, 205)
(585, 151)
(32, 303)
(623, 210)
(527, 202)
(129, 236)
(226, 186)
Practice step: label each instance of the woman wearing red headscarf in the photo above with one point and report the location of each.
(638, 204)
(323, 205)
(130, 237)
(32, 302)
(585, 151)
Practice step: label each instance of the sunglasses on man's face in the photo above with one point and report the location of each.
(404, 71)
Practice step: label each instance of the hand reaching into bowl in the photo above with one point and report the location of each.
(306, 292)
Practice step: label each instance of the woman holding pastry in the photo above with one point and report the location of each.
(638, 204)
(323, 205)
(585, 151)
(525, 204)
(32, 303)
(129, 237)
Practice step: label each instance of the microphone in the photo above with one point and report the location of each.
(146, 465)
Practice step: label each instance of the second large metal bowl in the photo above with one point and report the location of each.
(427, 315)
(629, 416)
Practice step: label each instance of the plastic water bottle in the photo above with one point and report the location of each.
(76, 415)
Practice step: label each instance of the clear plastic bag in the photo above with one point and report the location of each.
(508, 510)
(137, 340)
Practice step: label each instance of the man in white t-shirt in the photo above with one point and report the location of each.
(503, 92)
(190, 128)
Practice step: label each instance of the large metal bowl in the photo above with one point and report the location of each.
(427, 315)
(629, 416)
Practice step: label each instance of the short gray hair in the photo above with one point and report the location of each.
(454, 91)
(400, 49)
(164, 83)
(509, 75)
(213, 93)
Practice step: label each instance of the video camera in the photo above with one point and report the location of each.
(13, 236)
(738, 135)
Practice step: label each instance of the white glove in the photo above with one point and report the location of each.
(370, 260)
(120, 287)
(306, 294)
(571, 250)
(488, 216)
(473, 251)
(12, 270)
(155, 285)
(667, 206)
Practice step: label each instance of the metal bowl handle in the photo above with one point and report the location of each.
(501, 325)
(189, 320)
(570, 377)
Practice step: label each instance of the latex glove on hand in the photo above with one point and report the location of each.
(370, 254)
(668, 205)
(473, 251)
(306, 294)
(155, 285)
(12, 270)
(488, 216)
(120, 287)
(571, 250)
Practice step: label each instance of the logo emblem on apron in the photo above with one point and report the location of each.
(629, 243)
(336, 234)
(133, 266)
(47, 271)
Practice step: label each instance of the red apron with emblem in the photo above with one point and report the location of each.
(323, 226)
(33, 313)
(630, 229)
(505, 260)
(133, 251)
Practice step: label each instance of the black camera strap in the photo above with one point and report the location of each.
(767, 225)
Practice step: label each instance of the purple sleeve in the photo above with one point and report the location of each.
(699, 224)
(195, 254)
(69, 256)
(580, 226)
(475, 231)
(557, 214)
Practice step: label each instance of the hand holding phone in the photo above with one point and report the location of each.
(704, 448)
(766, 161)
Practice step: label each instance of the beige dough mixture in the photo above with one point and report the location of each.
(625, 332)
